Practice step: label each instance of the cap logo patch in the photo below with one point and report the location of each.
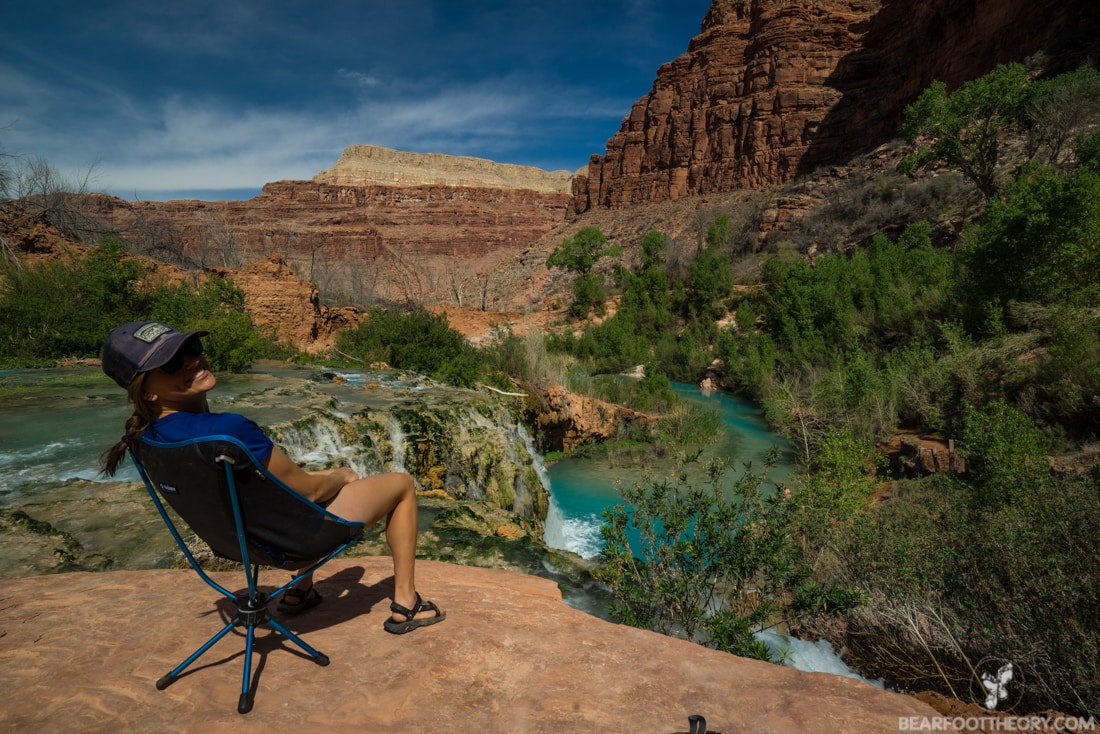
(151, 332)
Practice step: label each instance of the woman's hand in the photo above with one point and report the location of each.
(318, 486)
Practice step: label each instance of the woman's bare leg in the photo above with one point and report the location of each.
(392, 496)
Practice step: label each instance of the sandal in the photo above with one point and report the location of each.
(410, 623)
(299, 601)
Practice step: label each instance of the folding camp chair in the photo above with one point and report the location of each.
(234, 504)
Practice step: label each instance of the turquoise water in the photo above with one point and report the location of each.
(54, 424)
(582, 488)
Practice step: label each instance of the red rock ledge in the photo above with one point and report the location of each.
(81, 652)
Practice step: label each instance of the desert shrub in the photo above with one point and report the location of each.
(696, 562)
(1068, 383)
(1002, 554)
(1005, 454)
(419, 341)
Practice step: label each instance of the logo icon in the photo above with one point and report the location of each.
(998, 684)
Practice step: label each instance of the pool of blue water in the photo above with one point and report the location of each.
(582, 488)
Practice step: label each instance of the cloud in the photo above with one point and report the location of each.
(214, 94)
(206, 143)
(359, 78)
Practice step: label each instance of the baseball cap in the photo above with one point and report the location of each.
(140, 346)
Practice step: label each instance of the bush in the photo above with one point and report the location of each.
(419, 341)
(65, 308)
(1003, 555)
(704, 563)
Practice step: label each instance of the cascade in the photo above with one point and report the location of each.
(397, 444)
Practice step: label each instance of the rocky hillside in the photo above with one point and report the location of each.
(772, 89)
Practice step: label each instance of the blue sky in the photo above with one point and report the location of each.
(214, 98)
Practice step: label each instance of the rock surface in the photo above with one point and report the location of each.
(82, 651)
(567, 420)
(282, 303)
(771, 89)
(372, 164)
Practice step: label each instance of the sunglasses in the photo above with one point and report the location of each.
(192, 348)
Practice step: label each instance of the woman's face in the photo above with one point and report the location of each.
(181, 384)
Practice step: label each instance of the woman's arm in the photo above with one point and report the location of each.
(317, 486)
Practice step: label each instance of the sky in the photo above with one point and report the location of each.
(212, 99)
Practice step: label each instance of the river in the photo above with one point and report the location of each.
(581, 489)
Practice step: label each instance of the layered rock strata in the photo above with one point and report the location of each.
(772, 88)
(373, 165)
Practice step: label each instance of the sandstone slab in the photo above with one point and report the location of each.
(82, 651)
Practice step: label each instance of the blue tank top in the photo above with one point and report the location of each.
(186, 426)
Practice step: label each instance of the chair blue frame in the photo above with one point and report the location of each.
(246, 514)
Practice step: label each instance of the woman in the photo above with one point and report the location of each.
(167, 379)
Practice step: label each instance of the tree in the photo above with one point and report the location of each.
(1058, 108)
(654, 246)
(1040, 243)
(964, 129)
(580, 254)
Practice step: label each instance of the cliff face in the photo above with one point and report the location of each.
(774, 88)
(373, 165)
(380, 226)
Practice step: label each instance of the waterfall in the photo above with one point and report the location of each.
(810, 657)
(397, 444)
(318, 443)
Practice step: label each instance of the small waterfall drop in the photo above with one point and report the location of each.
(319, 443)
(397, 444)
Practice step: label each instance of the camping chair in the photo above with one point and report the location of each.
(233, 503)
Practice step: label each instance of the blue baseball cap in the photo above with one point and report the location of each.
(140, 346)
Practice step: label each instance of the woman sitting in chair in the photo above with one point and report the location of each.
(167, 378)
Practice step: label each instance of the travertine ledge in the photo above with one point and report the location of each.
(80, 652)
(361, 165)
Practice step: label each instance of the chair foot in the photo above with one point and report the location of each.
(244, 705)
(165, 682)
(321, 659)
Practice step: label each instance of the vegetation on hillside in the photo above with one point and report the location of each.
(63, 309)
(991, 337)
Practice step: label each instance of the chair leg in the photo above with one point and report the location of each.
(250, 615)
(171, 677)
(244, 704)
(319, 657)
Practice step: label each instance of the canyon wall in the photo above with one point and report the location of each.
(379, 227)
(771, 89)
(373, 165)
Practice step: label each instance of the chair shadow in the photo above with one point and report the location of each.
(345, 599)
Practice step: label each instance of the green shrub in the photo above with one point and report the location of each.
(703, 564)
(65, 309)
(419, 341)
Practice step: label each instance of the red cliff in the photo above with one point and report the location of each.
(773, 88)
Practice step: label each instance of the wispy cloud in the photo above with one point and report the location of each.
(226, 95)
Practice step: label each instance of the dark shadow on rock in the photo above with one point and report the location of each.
(907, 46)
(345, 598)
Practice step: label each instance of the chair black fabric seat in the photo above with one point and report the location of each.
(245, 514)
